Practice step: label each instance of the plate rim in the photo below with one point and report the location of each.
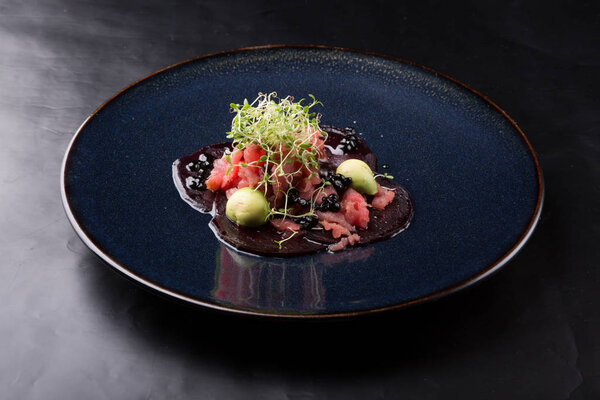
(486, 272)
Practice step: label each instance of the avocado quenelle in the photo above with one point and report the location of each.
(248, 207)
(363, 180)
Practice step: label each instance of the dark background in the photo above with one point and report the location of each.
(72, 328)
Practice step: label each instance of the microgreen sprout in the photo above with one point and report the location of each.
(280, 242)
(386, 176)
(285, 130)
(289, 134)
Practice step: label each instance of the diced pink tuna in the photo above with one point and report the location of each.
(252, 153)
(215, 180)
(336, 218)
(336, 223)
(224, 175)
(280, 184)
(307, 185)
(230, 192)
(383, 197)
(339, 245)
(354, 208)
(318, 144)
(279, 188)
(353, 239)
(230, 179)
(337, 230)
(283, 225)
(344, 242)
(250, 176)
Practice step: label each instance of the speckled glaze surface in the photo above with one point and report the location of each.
(473, 178)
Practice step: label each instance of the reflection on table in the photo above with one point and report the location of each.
(277, 284)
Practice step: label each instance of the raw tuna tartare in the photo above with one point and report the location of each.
(286, 185)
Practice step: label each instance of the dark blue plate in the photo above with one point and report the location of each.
(473, 177)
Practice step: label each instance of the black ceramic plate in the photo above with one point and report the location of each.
(473, 177)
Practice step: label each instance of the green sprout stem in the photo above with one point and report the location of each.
(280, 242)
(287, 132)
(385, 175)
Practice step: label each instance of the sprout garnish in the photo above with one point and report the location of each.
(287, 131)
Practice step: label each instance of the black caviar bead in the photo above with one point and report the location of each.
(205, 160)
(325, 174)
(340, 182)
(294, 197)
(293, 194)
(330, 203)
(194, 166)
(306, 221)
(195, 183)
(324, 206)
(334, 204)
(338, 185)
(349, 143)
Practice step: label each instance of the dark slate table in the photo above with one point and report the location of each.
(71, 328)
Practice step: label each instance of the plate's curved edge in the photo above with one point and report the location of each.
(436, 295)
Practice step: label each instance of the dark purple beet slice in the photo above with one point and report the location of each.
(260, 240)
(383, 224)
(335, 153)
(201, 200)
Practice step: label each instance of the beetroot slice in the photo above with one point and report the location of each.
(383, 224)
